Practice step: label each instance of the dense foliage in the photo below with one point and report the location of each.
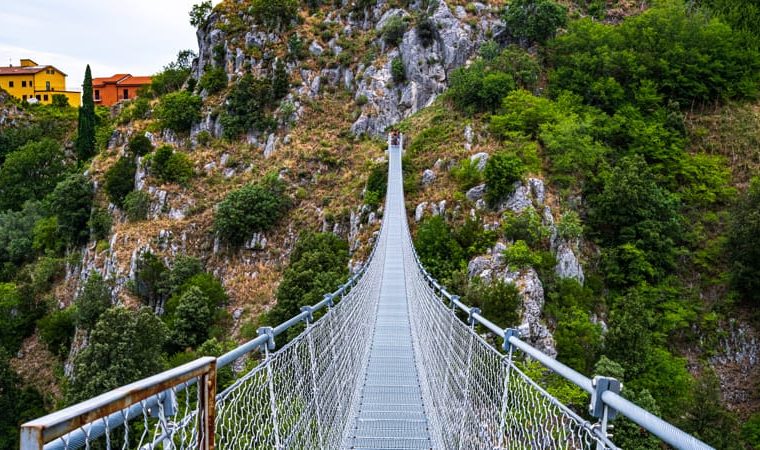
(250, 209)
(318, 264)
(120, 180)
(178, 111)
(30, 172)
(743, 244)
(534, 20)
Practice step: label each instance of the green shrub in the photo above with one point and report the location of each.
(56, 330)
(393, 30)
(30, 173)
(60, 101)
(150, 281)
(318, 264)
(524, 113)
(92, 302)
(137, 206)
(120, 180)
(71, 201)
(473, 238)
(274, 13)
(140, 145)
(477, 88)
(178, 111)
(17, 234)
(247, 107)
(502, 171)
(439, 252)
(214, 80)
(426, 31)
(570, 227)
(467, 174)
(184, 268)
(376, 185)
(250, 209)
(526, 226)
(398, 71)
(100, 224)
(173, 75)
(520, 256)
(199, 13)
(190, 322)
(498, 301)
(46, 238)
(743, 246)
(171, 166)
(534, 20)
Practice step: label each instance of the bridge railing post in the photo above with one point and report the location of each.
(507, 367)
(313, 373)
(600, 410)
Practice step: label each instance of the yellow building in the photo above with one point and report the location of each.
(36, 83)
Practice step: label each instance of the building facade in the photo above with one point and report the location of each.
(36, 83)
(112, 90)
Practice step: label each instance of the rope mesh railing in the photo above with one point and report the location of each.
(300, 396)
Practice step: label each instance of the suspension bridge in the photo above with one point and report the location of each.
(391, 360)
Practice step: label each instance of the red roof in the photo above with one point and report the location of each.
(121, 79)
(22, 70)
(135, 81)
(109, 80)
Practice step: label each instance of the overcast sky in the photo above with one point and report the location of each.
(113, 36)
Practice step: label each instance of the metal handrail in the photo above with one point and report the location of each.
(114, 405)
(667, 432)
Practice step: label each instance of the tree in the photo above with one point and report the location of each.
(318, 264)
(280, 80)
(439, 252)
(56, 330)
(250, 209)
(185, 267)
(478, 88)
(213, 80)
(534, 20)
(71, 202)
(17, 404)
(648, 223)
(499, 301)
(502, 171)
(30, 173)
(124, 346)
(92, 302)
(174, 74)
(120, 180)
(170, 166)
(191, 320)
(17, 233)
(743, 246)
(178, 111)
(85, 143)
(274, 13)
(199, 13)
(140, 145)
(247, 106)
(150, 283)
(137, 206)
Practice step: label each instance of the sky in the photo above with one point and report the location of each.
(113, 36)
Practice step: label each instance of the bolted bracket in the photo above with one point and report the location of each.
(269, 332)
(452, 303)
(471, 315)
(602, 385)
(329, 299)
(310, 316)
(508, 333)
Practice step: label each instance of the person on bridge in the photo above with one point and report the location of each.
(394, 138)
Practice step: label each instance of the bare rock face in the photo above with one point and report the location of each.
(428, 176)
(519, 201)
(419, 211)
(476, 193)
(538, 190)
(568, 265)
(531, 329)
(736, 361)
(481, 159)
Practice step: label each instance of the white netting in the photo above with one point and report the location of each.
(301, 395)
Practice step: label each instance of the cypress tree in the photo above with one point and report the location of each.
(85, 144)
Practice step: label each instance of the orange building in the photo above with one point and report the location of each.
(112, 90)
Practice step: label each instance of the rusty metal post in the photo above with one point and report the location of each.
(31, 439)
(207, 408)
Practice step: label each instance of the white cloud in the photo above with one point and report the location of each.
(136, 36)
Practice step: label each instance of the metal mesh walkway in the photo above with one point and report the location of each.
(390, 413)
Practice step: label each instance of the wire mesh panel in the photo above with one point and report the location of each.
(300, 396)
(480, 399)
